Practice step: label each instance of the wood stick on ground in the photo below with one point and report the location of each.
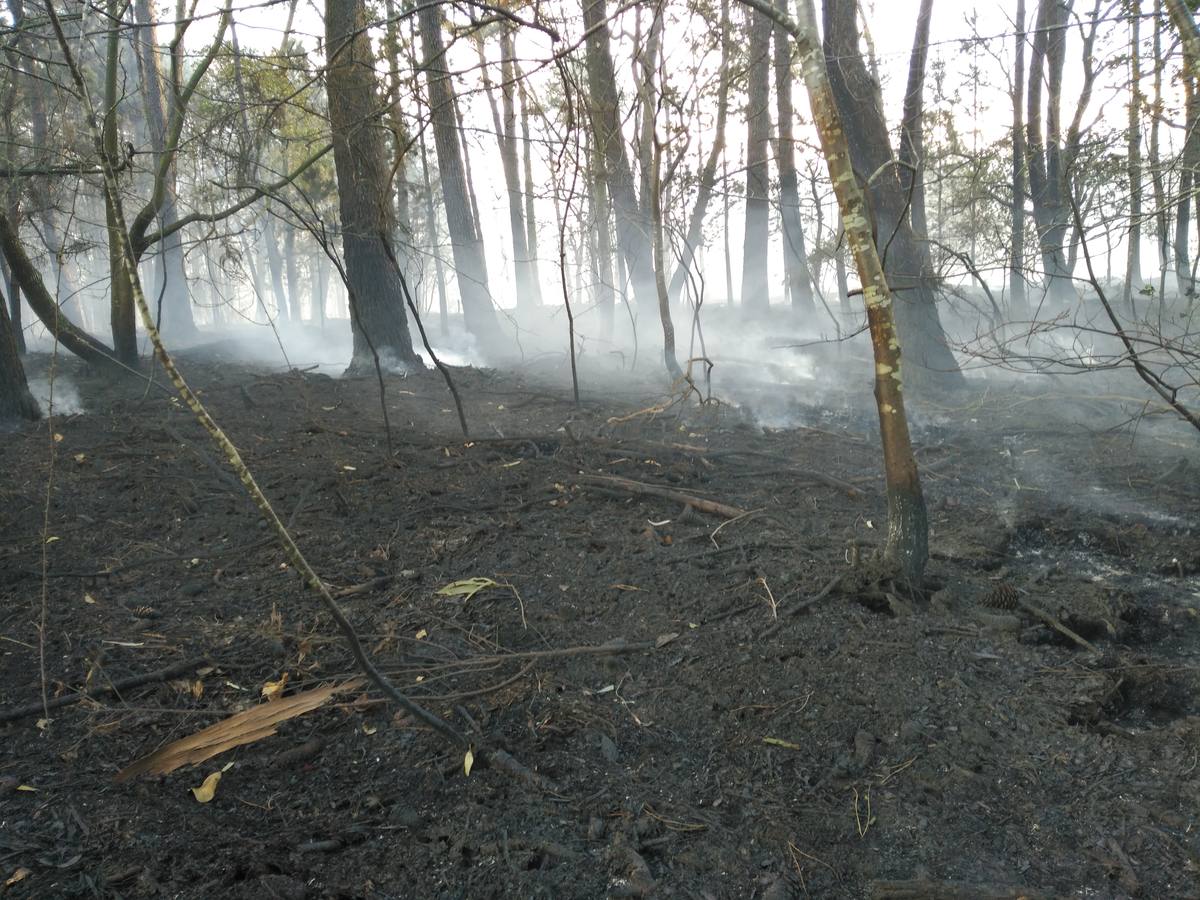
(613, 482)
(924, 889)
(803, 605)
(1039, 613)
(113, 687)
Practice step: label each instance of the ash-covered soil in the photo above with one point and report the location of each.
(718, 705)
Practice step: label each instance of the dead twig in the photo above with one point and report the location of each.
(113, 687)
(613, 482)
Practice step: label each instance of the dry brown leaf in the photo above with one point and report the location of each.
(273, 690)
(20, 875)
(245, 727)
(208, 789)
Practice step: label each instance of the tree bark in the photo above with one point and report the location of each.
(531, 240)
(795, 255)
(170, 281)
(1190, 36)
(1133, 259)
(708, 173)
(632, 223)
(1047, 181)
(15, 400)
(122, 315)
(664, 303)
(756, 290)
(1018, 303)
(466, 244)
(907, 547)
(912, 126)
(906, 260)
(377, 313)
(1154, 161)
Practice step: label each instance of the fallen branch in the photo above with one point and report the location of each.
(712, 507)
(113, 687)
(924, 889)
(802, 606)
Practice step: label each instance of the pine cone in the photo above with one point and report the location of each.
(1002, 596)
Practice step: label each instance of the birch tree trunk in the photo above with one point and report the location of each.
(1018, 302)
(1133, 259)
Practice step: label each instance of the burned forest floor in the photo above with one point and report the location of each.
(717, 699)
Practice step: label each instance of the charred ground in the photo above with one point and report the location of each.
(706, 740)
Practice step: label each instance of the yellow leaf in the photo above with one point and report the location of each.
(778, 742)
(27, 789)
(20, 875)
(208, 789)
(468, 761)
(57, 438)
(368, 728)
(52, 539)
(197, 688)
(350, 468)
(80, 458)
(273, 690)
(88, 598)
(467, 588)
(43, 724)
(422, 634)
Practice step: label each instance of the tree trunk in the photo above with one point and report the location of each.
(708, 173)
(795, 256)
(377, 314)
(528, 295)
(725, 232)
(15, 400)
(122, 313)
(170, 281)
(907, 545)
(1186, 26)
(633, 227)
(756, 290)
(602, 258)
(1154, 161)
(1046, 177)
(1018, 303)
(435, 249)
(906, 260)
(531, 240)
(912, 126)
(46, 307)
(664, 303)
(1133, 264)
(275, 267)
(12, 293)
(466, 244)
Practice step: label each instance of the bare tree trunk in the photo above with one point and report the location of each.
(528, 294)
(708, 173)
(605, 297)
(531, 241)
(1155, 161)
(906, 260)
(293, 273)
(907, 545)
(1190, 36)
(756, 291)
(632, 222)
(725, 232)
(466, 243)
(122, 313)
(1133, 264)
(435, 249)
(275, 267)
(795, 256)
(170, 277)
(1018, 303)
(378, 318)
(912, 126)
(664, 303)
(1047, 181)
(15, 400)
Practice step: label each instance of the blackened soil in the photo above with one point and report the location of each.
(704, 739)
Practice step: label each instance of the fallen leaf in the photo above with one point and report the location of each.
(626, 587)
(208, 789)
(245, 727)
(368, 728)
(57, 438)
(88, 598)
(466, 588)
(80, 458)
(20, 875)
(43, 724)
(422, 634)
(350, 468)
(509, 465)
(663, 639)
(273, 690)
(26, 788)
(52, 539)
(468, 761)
